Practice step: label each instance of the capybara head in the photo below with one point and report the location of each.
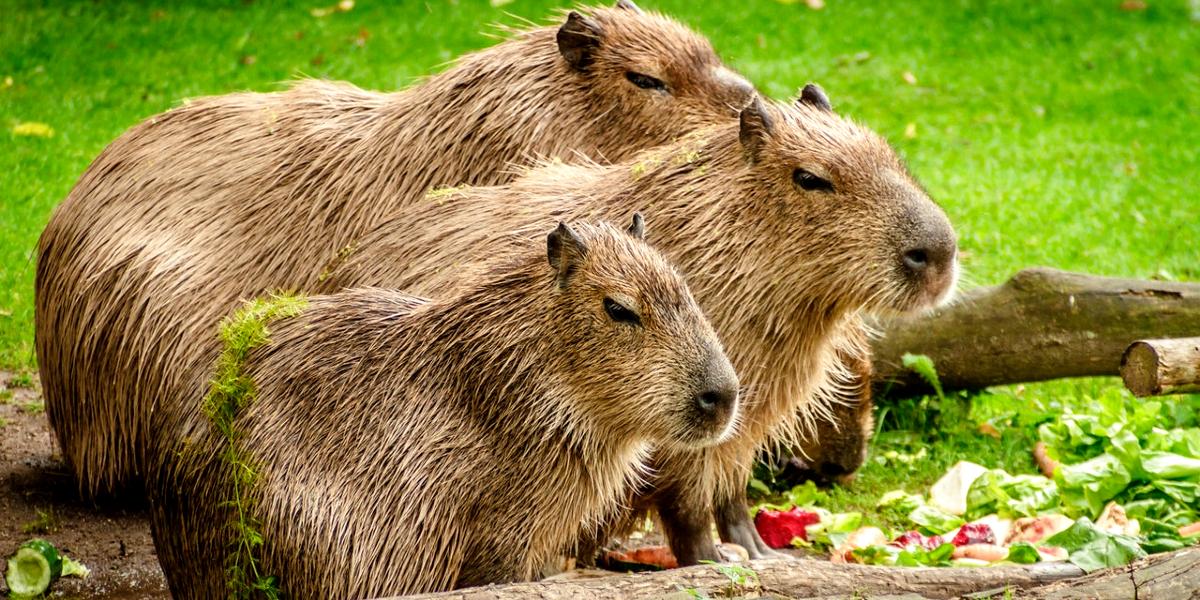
(648, 360)
(650, 71)
(837, 447)
(871, 236)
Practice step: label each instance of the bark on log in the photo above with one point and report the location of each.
(1174, 576)
(1166, 576)
(1041, 324)
(1157, 367)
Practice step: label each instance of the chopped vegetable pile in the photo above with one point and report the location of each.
(1124, 482)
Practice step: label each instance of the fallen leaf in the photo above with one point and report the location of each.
(248, 59)
(33, 129)
(1132, 5)
(360, 40)
(989, 430)
(910, 131)
(909, 78)
(317, 60)
(345, 5)
(815, 4)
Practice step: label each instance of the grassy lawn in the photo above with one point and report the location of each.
(1060, 133)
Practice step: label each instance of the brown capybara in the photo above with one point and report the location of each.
(233, 196)
(544, 386)
(789, 225)
(836, 447)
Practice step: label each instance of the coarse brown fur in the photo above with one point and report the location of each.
(234, 196)
(837, 445)
(783, 272)
(410, 446)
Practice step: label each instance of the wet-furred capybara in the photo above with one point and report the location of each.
(789, 225)
(230, 197)
(404, 445)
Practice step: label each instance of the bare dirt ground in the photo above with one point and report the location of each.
(38, 498)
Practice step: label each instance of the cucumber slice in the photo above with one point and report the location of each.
(32, 568)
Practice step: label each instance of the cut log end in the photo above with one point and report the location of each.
(1139, 369)
(1156, 367)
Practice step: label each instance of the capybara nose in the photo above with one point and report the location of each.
(718, 394)
(713, 402)
(935, 255)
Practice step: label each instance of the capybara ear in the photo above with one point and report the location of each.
(638, 227)
(578, 39)
(814, 96)
(565, 251)
(755, 127)
(628, 5)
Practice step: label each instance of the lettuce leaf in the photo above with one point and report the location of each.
(933, 521)
(1092, 548)
(1010, 495)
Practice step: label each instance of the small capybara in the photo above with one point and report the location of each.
(407, 446)
(789, 225)
(234, 196)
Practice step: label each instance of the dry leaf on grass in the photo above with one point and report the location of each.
(33, 129)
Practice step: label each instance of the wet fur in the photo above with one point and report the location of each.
(234, 196)
(783, 275)
(406, 445)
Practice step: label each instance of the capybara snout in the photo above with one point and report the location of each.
(715, 405)
(928, 253)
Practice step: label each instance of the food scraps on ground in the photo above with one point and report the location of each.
(35, 565)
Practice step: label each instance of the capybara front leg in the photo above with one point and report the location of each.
(688, 524)
(736, 527)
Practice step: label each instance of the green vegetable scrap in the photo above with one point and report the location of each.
(1010, 496)
(1092, 548)
(932, 521)
(37, 564)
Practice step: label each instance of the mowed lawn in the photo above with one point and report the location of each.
(1060, 133)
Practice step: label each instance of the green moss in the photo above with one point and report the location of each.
(337, 261)
(230, 393)
(445, 192)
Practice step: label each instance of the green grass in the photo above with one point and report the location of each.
(1059, 133)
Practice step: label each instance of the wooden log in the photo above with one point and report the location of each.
(1156, 367)
(1167, 576)
(1174, 576)
(1041, 324)
(805, 578)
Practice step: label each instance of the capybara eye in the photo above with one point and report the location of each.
(807, 181)
(645, 82)
(619, 313)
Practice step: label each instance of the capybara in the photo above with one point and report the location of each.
(234, 196)
(404, 445)
(788, 225)
(837, 446)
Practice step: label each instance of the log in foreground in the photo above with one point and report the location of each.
(1041, 324)
(1156, 367)
(1163, 576)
